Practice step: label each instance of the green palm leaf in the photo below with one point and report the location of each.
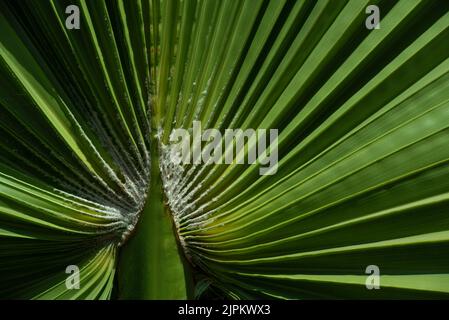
(86, 177)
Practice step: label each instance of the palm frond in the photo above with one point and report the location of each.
(86, 122)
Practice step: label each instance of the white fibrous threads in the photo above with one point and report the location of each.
(182, 204)
(173, 175)
(138, 191)
(119, 207)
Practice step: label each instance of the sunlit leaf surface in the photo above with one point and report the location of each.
(87, 116)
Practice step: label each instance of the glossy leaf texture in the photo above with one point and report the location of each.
(362, 175)
(363, 120)
(75, 163)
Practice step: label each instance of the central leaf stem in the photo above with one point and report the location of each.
(150, 263)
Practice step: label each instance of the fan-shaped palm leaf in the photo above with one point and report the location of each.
(86, 119)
